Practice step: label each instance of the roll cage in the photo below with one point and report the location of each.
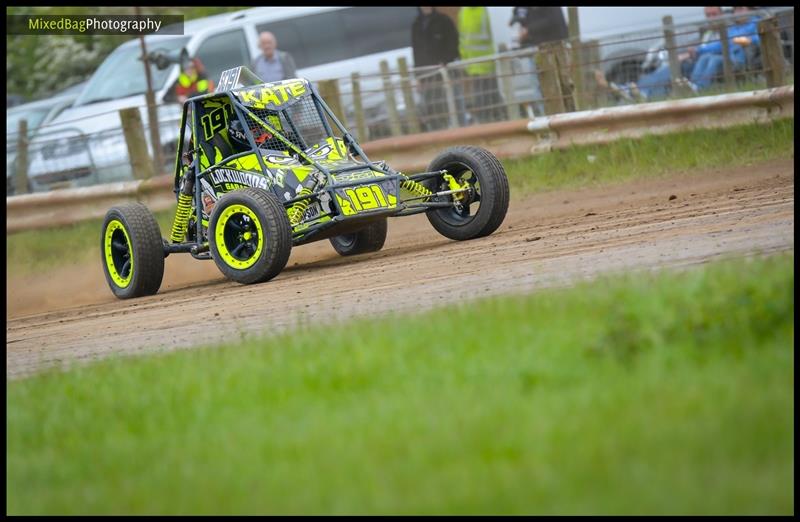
(248, 98)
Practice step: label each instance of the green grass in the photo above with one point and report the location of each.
(650, 393)
(34, 251)
(627, 159)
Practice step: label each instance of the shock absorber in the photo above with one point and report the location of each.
(183, 212)
(297, 210)
(418, 189)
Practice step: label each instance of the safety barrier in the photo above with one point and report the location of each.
(508, 139)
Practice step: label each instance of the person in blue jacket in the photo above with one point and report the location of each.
(709, 55)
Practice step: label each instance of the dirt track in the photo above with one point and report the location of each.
(548, 239)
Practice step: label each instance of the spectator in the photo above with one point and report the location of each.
(273, 65)
(709, 62)
(657, 80)
(192, 81)
(434, 42)
(538, 25)
(475, 41)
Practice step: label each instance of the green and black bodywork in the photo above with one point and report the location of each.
(292, 174)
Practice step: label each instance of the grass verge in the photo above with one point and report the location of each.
(649, 393)
(650, 156)
(36, 251)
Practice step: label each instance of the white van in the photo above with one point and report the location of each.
(325, 42)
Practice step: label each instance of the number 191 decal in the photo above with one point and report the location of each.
(364, 198)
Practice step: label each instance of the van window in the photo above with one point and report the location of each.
(343, 34)
(122, 73)
(223, 51)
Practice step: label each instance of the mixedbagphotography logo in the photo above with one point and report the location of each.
(94, 24)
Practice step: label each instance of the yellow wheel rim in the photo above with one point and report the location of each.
(239, 237)
(120, 267)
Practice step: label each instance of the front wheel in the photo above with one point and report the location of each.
(369, 239)
(132, 251)
(250, 236)
(481, 210)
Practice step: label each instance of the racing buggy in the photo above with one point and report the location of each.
(262, 167)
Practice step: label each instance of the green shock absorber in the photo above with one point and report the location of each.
(182, 214)
(297, 210)
(418, 189)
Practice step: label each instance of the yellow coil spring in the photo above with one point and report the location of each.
(418, 189)
(182, 214)
(297, 210)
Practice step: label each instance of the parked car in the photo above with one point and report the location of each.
(37, 114)
(326, 42)
(321, 50)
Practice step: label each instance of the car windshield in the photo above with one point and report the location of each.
(122, 74)
(34, 117)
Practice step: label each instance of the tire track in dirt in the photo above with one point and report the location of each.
(547, 239)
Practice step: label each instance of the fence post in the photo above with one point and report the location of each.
(548, 80)
(329, 91)
(133, 130)
(408, 96)
(727, 66)
(576, 47)
(391, 104)
(771, 51)
(449, 96)
(589, 61)
(507, 83)
(358, 109)
(21, 174)
(566, 87)
(672, 51)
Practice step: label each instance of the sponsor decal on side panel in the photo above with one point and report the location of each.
(222, 176)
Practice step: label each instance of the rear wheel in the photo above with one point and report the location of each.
(369, 239)
(250, 236)
(132, 251)
(479, 212)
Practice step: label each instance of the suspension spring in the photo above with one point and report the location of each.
(182, 214)
(418, 189)
(297, 210)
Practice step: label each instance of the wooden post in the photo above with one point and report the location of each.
(449, 96)
(590, 61)
(408, 96)
(329, 91)
(672, 51)
(771, 51)
(507, 83)
(21, 174)
(391, 104)
(133, 130)
(548, 79)
(358, 109)
(565, 84)
(152, 111)
(727, 66)
(575, 45)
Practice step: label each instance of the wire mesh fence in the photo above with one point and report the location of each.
(725, 54)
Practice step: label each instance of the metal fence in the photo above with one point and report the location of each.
(557, 77)
(567, 76)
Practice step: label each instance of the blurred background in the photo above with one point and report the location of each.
(386, 71)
